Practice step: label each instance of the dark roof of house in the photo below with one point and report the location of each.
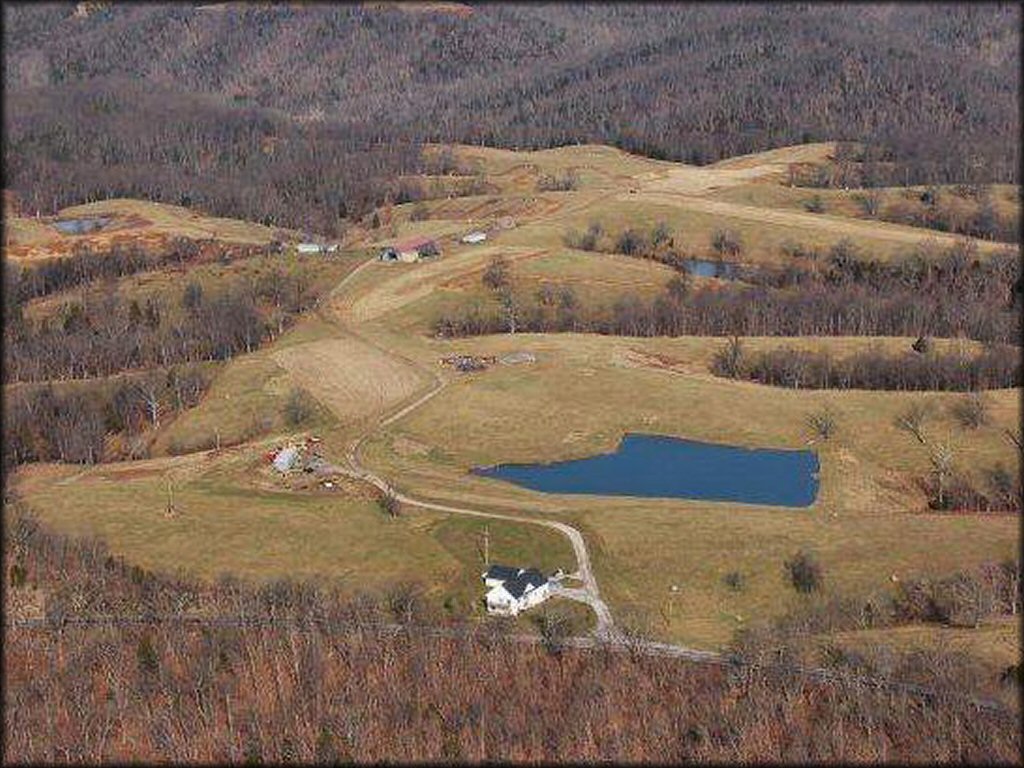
(503, 572)
(517, 586)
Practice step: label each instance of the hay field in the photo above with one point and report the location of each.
(353, 379)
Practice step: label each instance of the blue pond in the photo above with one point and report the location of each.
(723, 270)
(667, 467)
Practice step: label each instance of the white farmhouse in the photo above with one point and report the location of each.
(512, 590)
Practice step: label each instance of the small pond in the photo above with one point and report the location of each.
(81, 226)
(723, 270)
(667, 467)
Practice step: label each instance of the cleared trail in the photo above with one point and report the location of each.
(837, 226)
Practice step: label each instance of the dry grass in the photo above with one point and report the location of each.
(580, 396)
(585, 392)
(817, 152)
(597, 166)
(233, 515)
(354, 380)
(133, 220)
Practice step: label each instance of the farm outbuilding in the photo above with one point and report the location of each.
(474, 237)
(410, 250)
(286, 458)
(319, 248)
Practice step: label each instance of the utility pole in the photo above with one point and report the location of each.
(170, 499)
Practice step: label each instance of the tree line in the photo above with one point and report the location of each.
(36, 279)
(109, 334)
(995, 367)
(966, 598)
(966, 209)
(843, 295)
(215, 691)
(998, 490)
(74, 424)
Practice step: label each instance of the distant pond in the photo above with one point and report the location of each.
(81, 226)
(667, 467)
(723, 270)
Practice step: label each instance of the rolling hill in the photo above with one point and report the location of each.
(181, 103)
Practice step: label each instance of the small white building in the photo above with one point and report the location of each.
(286, 458)
(318, 248)
(474, 237)
(512, 590)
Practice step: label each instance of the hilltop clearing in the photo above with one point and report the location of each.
(124, 221)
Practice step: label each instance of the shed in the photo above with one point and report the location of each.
(411, 249)
(317, 247)
(286, 458)
(474, 237)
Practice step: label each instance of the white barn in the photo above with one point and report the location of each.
(512, 590)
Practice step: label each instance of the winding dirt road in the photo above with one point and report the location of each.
(589, 593)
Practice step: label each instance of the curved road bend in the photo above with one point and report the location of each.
(588, 593)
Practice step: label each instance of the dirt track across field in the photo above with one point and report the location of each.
(836, 226)
(405, 287)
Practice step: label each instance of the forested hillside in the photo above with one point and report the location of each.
(267, 112)
(319, 679)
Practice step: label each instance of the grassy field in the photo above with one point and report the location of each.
(994, 643)
(248, 397)
(369, 349)
(992, 648)
(892, 201)
(749, 194)
(233, 515)
(584, 393)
